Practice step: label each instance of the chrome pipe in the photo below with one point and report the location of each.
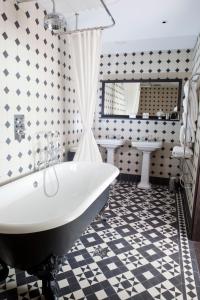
(76, 16)
(110, 15)
(23, 1)
(95, 28)
(83, 29)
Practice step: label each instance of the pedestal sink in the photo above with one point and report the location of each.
(110, 145)
(146, 147)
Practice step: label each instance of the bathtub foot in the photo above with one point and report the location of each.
(47, 272)
(3, 271)
(104, 217)
(50, 289)
(104, 213)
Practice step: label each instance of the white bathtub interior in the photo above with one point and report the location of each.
(25, 209)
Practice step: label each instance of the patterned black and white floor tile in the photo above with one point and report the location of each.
(140, 252)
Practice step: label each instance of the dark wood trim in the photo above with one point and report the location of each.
(188, 218)
(196, 208)
(159, 180)
(139, 80)
(196, 246)
(128, 177)
(151, 118)
(136, 178)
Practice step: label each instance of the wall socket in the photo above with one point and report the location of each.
(19, 127)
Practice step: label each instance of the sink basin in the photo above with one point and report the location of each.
(146, 147)
(110, 145)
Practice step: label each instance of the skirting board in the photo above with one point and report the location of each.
(188, 218)
(136, 178)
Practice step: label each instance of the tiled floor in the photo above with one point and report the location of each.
(145, 254)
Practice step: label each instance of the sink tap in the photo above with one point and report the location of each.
(150, 138)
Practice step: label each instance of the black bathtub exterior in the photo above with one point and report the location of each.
(26, 251)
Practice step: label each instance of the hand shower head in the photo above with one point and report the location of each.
(55, 22)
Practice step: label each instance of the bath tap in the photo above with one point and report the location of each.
(51, 154)
(41, 165)
(54, 152)
(53, 147)
(150, 138)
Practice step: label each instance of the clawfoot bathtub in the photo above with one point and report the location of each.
(37, 231)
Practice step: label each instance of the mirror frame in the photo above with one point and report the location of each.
(139, 117)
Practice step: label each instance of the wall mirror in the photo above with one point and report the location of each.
(141, 99)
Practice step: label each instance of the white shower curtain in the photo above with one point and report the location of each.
(85, 52)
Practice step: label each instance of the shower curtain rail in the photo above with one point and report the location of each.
(94, 28)
(83, 29)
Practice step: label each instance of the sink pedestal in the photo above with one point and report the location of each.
(144, 182)
(146, 147)
(111, 145)
(110, 156)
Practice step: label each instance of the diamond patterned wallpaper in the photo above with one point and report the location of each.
(33, 82)
(194, 164)
(115, 101)
(152, 99)
(73, 120)
(36, 81)
(168, 64)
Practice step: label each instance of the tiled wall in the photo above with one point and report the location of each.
(33, 64)
(194, 164)
(154, 65)
(36, 81)
(115, 102)
(72, 116)
(154, 99)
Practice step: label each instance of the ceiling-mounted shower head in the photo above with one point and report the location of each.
(55, 22)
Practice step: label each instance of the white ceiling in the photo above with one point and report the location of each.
(138, 22)
(69, 7)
